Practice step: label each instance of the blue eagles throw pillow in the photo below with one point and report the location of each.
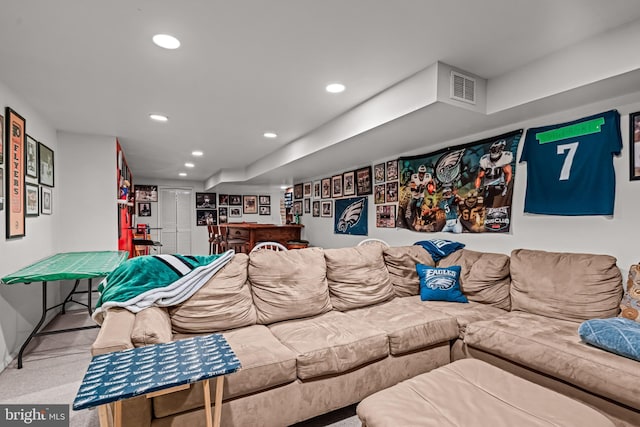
(440, 284)
(617, 335)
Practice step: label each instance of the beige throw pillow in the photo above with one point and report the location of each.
(630, 305)
(401, 262)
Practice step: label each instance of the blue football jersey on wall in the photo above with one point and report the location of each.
(570, 166)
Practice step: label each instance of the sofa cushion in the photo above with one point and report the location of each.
(409, 326)
(630, 305)
(331, 343)
(266, 363)
(553, 347)
(617, 335)
(357, 277)
(151, 326)
(484, 278)
(440, 283)
(401, 262)
(224, 302)
(567, 286)
(288, 284)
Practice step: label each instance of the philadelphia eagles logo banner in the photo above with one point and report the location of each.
(351, 216)
(462, 189)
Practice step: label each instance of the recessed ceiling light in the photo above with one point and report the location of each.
(189, 165)
(182, 174)
(197, 153)
(158, 117)
(166, 41)
(335, 88)
(270, 135)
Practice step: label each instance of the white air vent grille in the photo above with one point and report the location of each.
(463, 88)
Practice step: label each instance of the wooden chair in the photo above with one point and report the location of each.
(273, 246)
(374, 241)
(238, 244)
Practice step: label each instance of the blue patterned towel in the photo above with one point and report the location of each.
(617, 335)
(439, 248)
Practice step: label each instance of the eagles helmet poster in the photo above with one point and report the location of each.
(351, 216)
(462, 189)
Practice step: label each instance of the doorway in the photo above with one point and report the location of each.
(175, 220)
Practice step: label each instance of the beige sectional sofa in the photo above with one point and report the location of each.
(316, 330)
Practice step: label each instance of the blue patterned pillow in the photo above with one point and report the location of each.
(440, 284)
(617, 335)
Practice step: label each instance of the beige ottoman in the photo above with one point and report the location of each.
(473, 393)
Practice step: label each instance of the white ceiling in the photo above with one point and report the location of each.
(250, 66)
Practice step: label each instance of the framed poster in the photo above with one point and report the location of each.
(264, 200)
(1, 139)
(348, 183)
(206, 217)
(392, 170)
(265, 210)
(307, 205)
(46, 201)
(327, 208)
(15, 130)
(205, 200)
(45, 158)
(249, 204)
(316, 208)
(378, 173)
(336, 186)
(235, 200)
(307, 189)
(326, 188)
(32, 157)
(297, 192)
(297, 207)
(316, 189)
(386, 216)
(634, 146)
(235, 212)
(32, 193)
(378, 197)
(223, 214)
(392, 192)
(146, 193)
(144, 209)
(223, 199)
(363, 181)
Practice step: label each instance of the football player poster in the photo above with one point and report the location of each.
(462, 189)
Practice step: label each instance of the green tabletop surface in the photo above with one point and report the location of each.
(68, 266)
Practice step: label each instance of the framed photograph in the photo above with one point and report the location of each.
(32, 157)
(316, 208)
(326, 188)
(363, 181)
(223, 199)
(235, 200)
(223, 215)
(144, 209)
(205, 200)
(378, 197)
(348, 183)
(336, 186)
(327, 208)
(392, 192)
(306, 189)
(316, 189)
(386, 216)
(235, 212)
(634, 145)
(32, 199)
(307, 206)
(378, 173)
(146, 193)
(298, 192)
(15, 129)
(265, 210)
(264, 200)
(1, 140)
(206, 217)
(249, 204)
(45, 159)
(297, 208)
(392, 170)
(46, 201)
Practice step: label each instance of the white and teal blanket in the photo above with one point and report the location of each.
(156, 280)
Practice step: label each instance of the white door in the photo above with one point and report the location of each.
(175, 220)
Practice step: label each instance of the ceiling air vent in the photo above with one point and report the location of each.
(463, 88)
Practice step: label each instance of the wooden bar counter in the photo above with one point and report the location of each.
(256, 233)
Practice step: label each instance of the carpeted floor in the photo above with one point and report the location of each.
(54, 365)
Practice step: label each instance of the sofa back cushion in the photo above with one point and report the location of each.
(357, 277)
(484, 278)
(401, 263)
(288, 284)
(568, 286)
(224, 302)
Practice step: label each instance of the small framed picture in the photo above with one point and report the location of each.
(47, 172)
(327, 208)
(297, 208)
(235, 212)
(249, 204)
(363, 181)
(205, 200)
(298, 192)
(223, 214)
(306, 189)
(386, 216)
(378, 197)
(206, 217)
(1, 140)
(146, 193)
(326, 188)
(392, 192)
(265, 210)
(264, 200)
(32, 200)
(316, 208)
(348, 183)
(307, 205)
(378, 173)
(235, 200)
(144, 209)
(223, 199)
(32, 158)
(46, 201)
(336, 186)
(316, 189)
(392, 170)
(634, 145)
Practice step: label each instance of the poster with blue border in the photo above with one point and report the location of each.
(351, 216)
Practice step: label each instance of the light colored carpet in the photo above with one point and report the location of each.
(54, 365)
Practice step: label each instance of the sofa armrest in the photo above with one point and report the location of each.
(115, 333)
(151, 326)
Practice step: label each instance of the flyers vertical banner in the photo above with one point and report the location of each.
(14, 153)
(462, 189)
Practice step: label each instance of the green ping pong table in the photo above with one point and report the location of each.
(65, 266)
